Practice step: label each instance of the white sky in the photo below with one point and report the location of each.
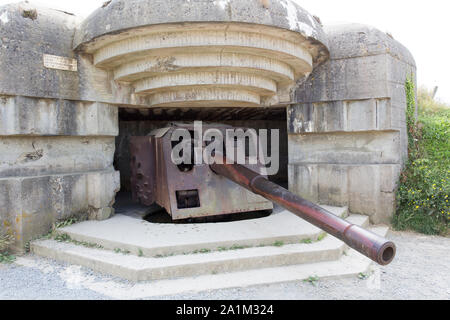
(422, 26)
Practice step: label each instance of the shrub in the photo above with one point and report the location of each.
(423, 193)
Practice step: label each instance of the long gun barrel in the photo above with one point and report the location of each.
(369, 244)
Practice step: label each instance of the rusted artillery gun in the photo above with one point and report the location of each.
(369, 244)
(208, 190)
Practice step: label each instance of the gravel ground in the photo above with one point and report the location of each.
(420, 271)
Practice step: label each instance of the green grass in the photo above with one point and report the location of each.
(278, 244)
(363, 276)
(201, 251)
(312, 280)
(423, 193)
(5, 242)
(322, 236)
(5, 257)
(62, 237)
(238, 247)
(65, 223)
(121, 251)
(53, 234)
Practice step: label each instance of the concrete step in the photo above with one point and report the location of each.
(142, 269)
(140, 237)
(349, 265)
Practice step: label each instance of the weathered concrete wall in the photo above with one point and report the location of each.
(347, 132)
(56, 152)
(27, 32)
(56, 161)
(56, 117)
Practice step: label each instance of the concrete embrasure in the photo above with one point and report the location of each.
(226, 53)
(207, 62)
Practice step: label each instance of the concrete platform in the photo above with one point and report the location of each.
(304, 256)
(153, 239)
(348, 266)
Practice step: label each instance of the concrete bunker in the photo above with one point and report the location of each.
(72, 90)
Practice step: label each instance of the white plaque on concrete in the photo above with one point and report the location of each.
(60, 63)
